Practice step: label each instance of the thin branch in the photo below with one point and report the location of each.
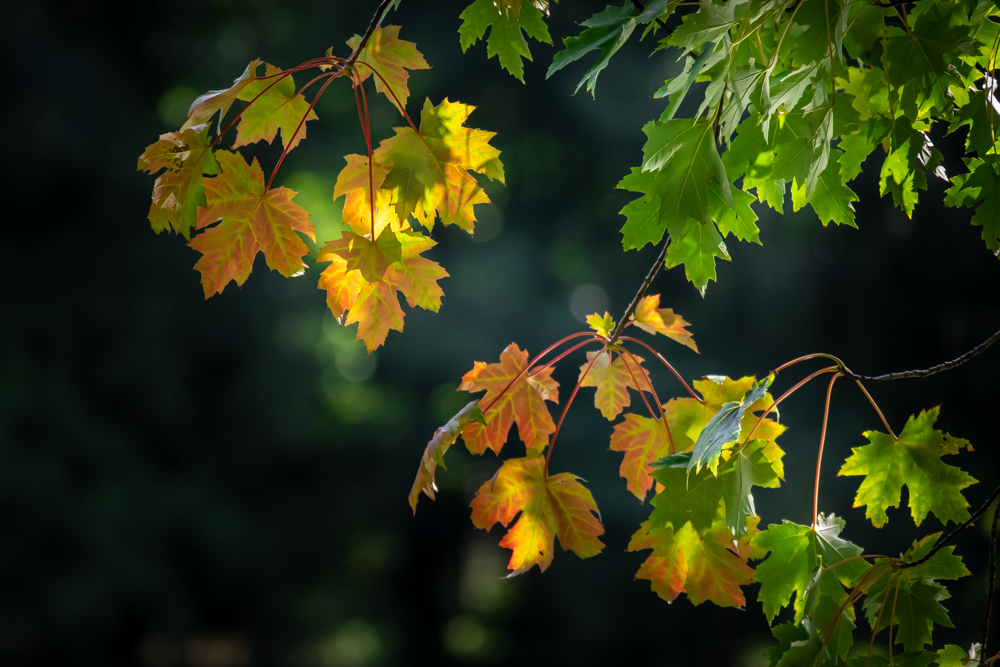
(822, 441)
(993, 581)
(642, 291)
(642, 8)
(943, 543)
(368, 33)
(948, 365)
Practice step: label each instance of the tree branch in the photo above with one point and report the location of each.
(368, 33)
(642, 291)
(927, 371)
(993, 582)
(943, 543)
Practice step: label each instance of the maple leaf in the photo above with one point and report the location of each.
(980, 189)
(254, 220)
(505, 19)
(177, 193)
(684, 499)
(365, 278)
(982, 114)
(613, 375)
(655, 320)
(550, 506)
(914, 459)
(511, 396)
(796, 552)
(274, 106)
(725, 426)
(218, 101)
(433, 455)
(390, 57)
(914, 594)
(956, 656)
(700, 564)
(602, 325)
(430, 168)
(642, 440)
(354, 184)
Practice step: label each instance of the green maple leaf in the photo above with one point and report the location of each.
(796, 552)
(275, 106)
(980, 189)
(919, 61)
(914, 459)
(709, 24)
(607, 31)
(696, 245)
(982, 114)
(831, 200)
(506, 20)
(911, 596)
(724, 428)
(677, 88)
(737, 218)
(956, 656)
(819, 29)
(748, 467)
(683, 499)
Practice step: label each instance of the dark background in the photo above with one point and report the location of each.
(223, 483)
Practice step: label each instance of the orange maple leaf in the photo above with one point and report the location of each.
(550, 506)
(253, 220)
(655, 320)
(353, 183)
(390, 57)
(642, 440)
(613, 379)
(511, 395)
(700, 564)
(279, 108)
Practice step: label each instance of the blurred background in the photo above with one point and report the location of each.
(223, 483)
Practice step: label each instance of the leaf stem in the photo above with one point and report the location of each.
(819, 455)
(877, 409)
(393, 93)
(569, 402)
(663, 417)
(653, 270)
(667, 364)
(291, 142)
(829, 369)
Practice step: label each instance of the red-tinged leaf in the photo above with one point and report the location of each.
(371, 258)
(430, 168)
(353, 184)
(390, 57)
(550, 507)
(218, 101)
(179, 192)
(511, 396)
(253, 220)
(417, 277)
(699, 564)
(602, 326)
(434, 453)
(278, 107)
(613, 379)
(377, 311)
(642, 440)
(655, 320)
(342, 285)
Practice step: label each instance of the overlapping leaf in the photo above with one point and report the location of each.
(549, 506)
(177, 193)
(642, 440)
(652, 319)
(512, 395)
(613, 375)
(913, 460)
(204, 108)
(910, 597)
(253, 219)
(276, 106)
(388, 59)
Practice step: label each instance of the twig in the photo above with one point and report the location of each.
(948, 365)
(993, 581)
(642, 291)
(368, 33)
(943, 543)
(642, 8)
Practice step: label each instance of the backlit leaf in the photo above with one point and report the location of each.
(390, 58)
(613, 375)
(642, 440)
(276, 106)
(505, 19)
(434, 453)
(655, 320)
